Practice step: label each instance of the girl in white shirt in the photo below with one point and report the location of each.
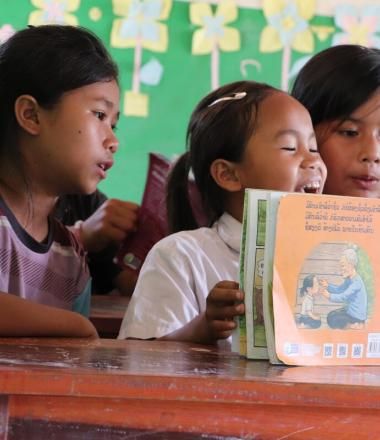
(242, 135)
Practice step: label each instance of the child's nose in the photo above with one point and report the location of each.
(370, 150)
(112, 142)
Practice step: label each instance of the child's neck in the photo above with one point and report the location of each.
(234, 205)
(30, 208)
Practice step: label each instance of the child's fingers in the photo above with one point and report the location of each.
(225, 295)
(222, 329)
(225, 312)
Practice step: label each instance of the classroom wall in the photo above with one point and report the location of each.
(172, 52)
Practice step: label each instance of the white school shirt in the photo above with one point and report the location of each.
(177, 276)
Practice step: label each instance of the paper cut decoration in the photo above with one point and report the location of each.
(288, 28)
(244, 63)
(359, 25)
(140, 28)
(322, 32)
(54, 11)
(135, 104)
(151, 72)
(95, 14)
(6, 31)
(214, 35)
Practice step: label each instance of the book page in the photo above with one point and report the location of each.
(271, 223)
(326, 275)
(254, 244)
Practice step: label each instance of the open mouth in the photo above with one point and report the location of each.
(310, 188)
(105, 165)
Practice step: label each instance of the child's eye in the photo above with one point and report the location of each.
(289, 148)
(348, 133)
(100, 115)
(313, 150)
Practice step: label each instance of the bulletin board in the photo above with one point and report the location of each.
(172, 52)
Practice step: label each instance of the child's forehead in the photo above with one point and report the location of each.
(280, 111)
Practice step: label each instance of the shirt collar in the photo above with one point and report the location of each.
(229, 230)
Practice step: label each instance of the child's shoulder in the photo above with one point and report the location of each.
(64, 237)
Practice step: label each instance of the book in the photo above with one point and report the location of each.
(152, 223)
(317, 275)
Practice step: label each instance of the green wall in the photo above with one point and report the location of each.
(185, 80)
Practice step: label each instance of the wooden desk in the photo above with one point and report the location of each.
(107, 312)
(105, 389)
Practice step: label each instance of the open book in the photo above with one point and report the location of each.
(310, 268)
(152, 223)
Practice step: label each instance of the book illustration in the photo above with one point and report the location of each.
(338, 295)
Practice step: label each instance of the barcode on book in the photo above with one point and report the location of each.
(291, 349)
(357, 351)
(373, 345)
(342, 351)
(328, 350)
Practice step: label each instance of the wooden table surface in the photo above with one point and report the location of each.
(108, 389)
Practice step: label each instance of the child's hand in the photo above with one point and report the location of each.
(109, 224)
(222, 305)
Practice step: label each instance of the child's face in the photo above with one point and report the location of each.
(77, 140)
(282, 153)
(351, 151)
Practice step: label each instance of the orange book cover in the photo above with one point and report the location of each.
(325, 277)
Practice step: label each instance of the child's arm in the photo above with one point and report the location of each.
(23, 318)
(217, 322)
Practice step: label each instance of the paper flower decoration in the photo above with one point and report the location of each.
(140, 28)
(214, 35)
(288, 28)
(360, 25)
(140, 24)
(54, 11)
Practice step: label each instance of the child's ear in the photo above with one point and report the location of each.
(225, 175)
(26, 112)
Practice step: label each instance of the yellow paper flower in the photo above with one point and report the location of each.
(214, 32)
(140, 23)
(287, 25)
(54, 11)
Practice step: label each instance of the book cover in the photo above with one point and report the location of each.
(326, 274)
(152, 222)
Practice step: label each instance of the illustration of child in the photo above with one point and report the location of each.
(309, 289)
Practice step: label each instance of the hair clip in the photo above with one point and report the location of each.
(237, 95)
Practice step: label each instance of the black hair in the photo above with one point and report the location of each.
(45, 62)
(218, 130)
(308, 282)
(338, 80)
